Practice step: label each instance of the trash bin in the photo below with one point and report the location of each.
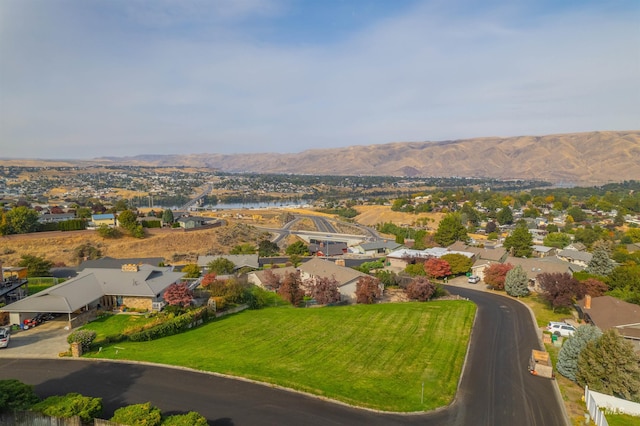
(554, 338)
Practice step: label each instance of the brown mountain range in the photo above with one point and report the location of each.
(591, 158)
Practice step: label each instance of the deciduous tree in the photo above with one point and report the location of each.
(167, 216)
(271, 281)
(421, 289)
(291, 288)
(609, 365)
(368, 290)
(557, 239)
(570, 351)
(178, 294)
(516, 283)
(221, 266)
(267, 249)
(299, 248)
(560, 289)
(36, 266)
(325, 290)
(127, 219)
(437, 268)
(138, 414)
(495, 274)
(450, 230)
(459, 263)
(191, 270)
(22, 220)
(15, 395)
(594, 287)
(505, 216)
(208, 279)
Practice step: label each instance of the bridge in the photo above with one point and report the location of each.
(192, 202)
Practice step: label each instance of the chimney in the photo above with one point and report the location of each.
(129, 267)
(587, 301)
(340, 262)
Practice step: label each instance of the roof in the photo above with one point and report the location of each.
(102, 216)
(535, 266)
(92, 284)
(542, 249)
(335, 248)
(607, 312)
(380, 244)
(488, 252)
(430, 252)
(318, 267)
(276, 271)
(113, 263)
(240, 260)
(576, 255)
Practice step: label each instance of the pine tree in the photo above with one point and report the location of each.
(571, 348)
(516, 282)
(520, 241)
(450, 230)
(600, 263)
(610, 365)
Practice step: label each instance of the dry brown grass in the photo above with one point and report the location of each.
(372, 215)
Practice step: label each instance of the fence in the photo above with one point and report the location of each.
(598, 404)
(31, 418)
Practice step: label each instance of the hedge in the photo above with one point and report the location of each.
(173, 326)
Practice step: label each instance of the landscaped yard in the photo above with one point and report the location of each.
(376, 356)
(110, 325)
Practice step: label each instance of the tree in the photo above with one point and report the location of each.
(437, 268)
(127, 219)
(459, 263)
(520, 241)
(594, 287)
(167, 216)
(472, 215)
(246, 248)
(600, 264)
(267, 248)
(610, 365)
(105, 231)
(577, 214)
(560, 289)
(221, 266)
(70, 405)
(290, 288)
(36, 266)
(495, 274)
(505, 216)
(567, 364)
(83, 213)
(87, 251)
(271, 281)
(368, 290)
(15, 395)
(491, 227)
(557, 239)
(421, 289)
(138, 414)
(22, 220)
(191, 270)
(450, 230)
(299, 248)
(190, 419)
(325, 290)
(208, 279)
(178, 294)
(516, 282)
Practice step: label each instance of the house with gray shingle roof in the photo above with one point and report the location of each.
(347, 277)
(377, 248)
(607, 312)
(581, 258)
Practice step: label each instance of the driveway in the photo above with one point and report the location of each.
(46, 340)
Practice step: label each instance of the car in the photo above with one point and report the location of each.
(4, 337)
(473, 279)
(561, 329)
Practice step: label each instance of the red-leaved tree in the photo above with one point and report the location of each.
(324, 290)
(208, 279)
(368, 290)
(594, 287)
(437, 268)
(178, 294)
(495, 274)
(291, 288)
(271, 281)
(421, 289)
(560, 289)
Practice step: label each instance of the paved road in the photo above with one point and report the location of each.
(496, 388)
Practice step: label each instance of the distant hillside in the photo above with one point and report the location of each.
(583, 158)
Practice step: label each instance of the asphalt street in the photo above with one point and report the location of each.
(495, 388)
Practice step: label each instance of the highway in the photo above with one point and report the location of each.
(495, 388)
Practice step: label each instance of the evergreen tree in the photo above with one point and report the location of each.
(570, 351)
(167, 216)
(516, 282)
(610, 365)
(600, 263)
(520, 241)
(450, 230)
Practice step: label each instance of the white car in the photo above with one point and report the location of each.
(561, 329)
(473, 279)
(4, 337)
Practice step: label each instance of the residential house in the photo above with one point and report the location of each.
(113, 263)
(330, 248)
(607, 312)
(377, 248)
(580, 258)
(191, 222)
(135, 286)
(108, 219)
(538, 235)
(56, 217)
(543, 251)
(536, 266)
(347, 278)
(239, 260)
(399, 259)
(576, 246)
(258, 277)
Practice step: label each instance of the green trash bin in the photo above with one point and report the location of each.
(554, 338)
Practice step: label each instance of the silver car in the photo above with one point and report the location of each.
(4, 337)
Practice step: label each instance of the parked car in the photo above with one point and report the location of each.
(561, 329)
(473, 279)
(4, 337)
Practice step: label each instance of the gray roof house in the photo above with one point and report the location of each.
(113, 263)
(239, 260)
(581, 258)
(133, 286)
(56, 217)
(380, 247)
(347, 277)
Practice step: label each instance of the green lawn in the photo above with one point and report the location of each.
(622, 420)
(115, 324)
(375, 356)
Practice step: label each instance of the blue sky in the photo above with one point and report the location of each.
(91, 78)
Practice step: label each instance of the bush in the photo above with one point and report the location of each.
(15, 395)
(172, 326)
(84, 337)
(138, 415)
(69, 405)
(190, 419)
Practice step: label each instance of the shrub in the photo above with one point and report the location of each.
(84, 337)
(172, 326)
(15, 395)
(138, 415)
(420, 289)
(69, 405)
(190, 419)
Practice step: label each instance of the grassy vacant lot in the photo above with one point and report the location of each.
(375, 356)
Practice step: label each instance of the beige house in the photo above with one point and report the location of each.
(108, 219)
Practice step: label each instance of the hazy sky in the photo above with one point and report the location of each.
(90, 78)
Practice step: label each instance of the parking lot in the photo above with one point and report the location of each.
(46, 340)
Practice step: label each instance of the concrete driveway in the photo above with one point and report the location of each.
(46, 340)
